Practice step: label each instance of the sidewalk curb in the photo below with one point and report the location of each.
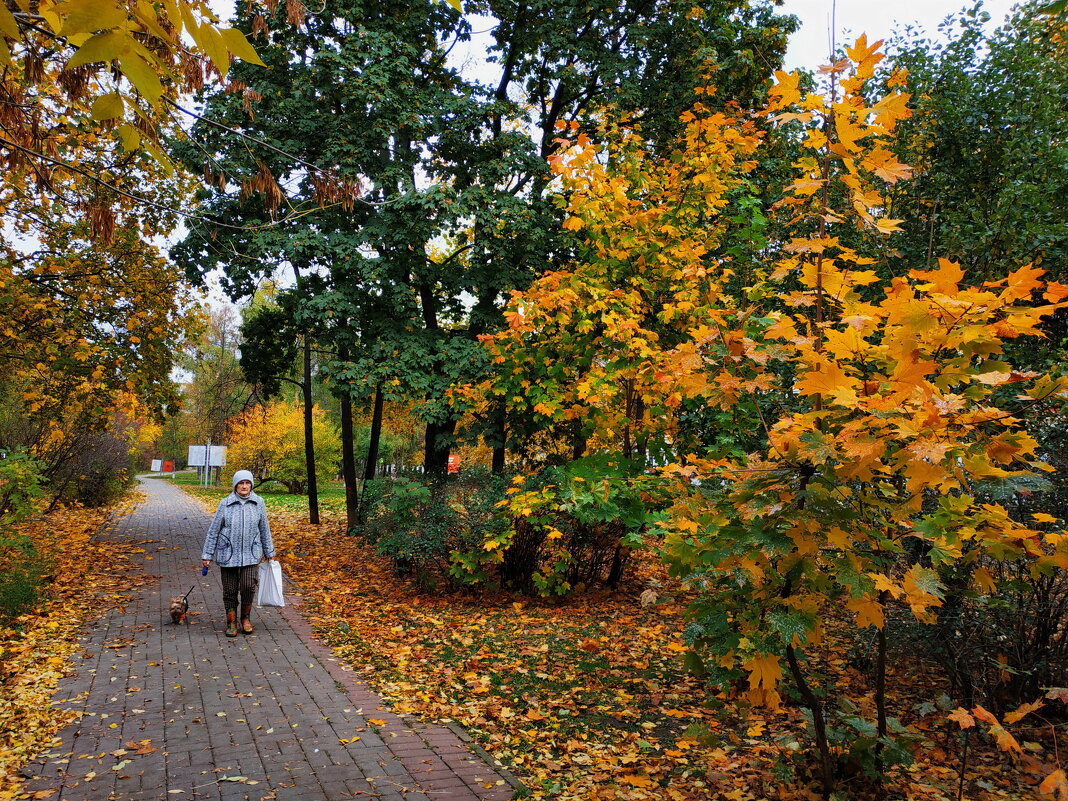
(522, 791)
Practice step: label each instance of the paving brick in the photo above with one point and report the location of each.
(213, 706)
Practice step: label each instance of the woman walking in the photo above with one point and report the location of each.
(238, 538)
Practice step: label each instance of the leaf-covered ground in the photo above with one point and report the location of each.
(588, 698)
(86, 579)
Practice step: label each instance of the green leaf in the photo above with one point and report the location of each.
(237, 44)
(142, 76)
(791, 623)
(102, 47)
(85, 16)
(108, 107)
(5, 54)
(927, 580)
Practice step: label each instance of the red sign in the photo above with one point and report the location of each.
(168, 466)
(454, 464)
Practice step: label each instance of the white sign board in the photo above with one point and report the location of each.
(207, 455)
(157, 465)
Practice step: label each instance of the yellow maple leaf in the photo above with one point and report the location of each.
(764, 672)
(1020, 283)
(887, 226)
(983, 580)
(946, 279)
(785, 91)
(868, 610)
(825, 376)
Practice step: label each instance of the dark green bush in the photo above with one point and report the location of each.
(420, 524)
(22, 567)
(22, 573)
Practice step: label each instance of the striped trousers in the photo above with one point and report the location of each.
(239, 580)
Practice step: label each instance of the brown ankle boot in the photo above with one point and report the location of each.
(246, 624)
(231, 622)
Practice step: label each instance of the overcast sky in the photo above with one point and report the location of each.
(877, 18)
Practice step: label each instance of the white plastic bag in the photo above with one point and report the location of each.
(270, 589)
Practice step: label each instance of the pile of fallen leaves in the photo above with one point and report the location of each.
(588, 698)
(87, 577)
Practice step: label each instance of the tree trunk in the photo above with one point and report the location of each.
(880, 691)
(348, 462)
(819, 723)
(436, 448)
(499, 448)
(309, 443)
(375, 438)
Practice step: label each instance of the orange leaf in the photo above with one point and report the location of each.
(945, 279)
(1056, 784)
(1023, 711)
(961, 717)
(868, 610)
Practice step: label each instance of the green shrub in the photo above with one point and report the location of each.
(563, 529)
(22, 573)
(421, 524)
(22, 567)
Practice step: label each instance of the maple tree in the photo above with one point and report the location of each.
(885, 406)
(102, 67)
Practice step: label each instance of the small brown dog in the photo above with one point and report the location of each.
(180, 607)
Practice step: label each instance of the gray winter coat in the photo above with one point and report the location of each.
(239, 534)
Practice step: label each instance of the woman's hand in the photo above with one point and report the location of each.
(205, 562)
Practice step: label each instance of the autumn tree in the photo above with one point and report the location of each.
(92, 312)
(881, 407)
(90, 318)
(215, 390)
(441, 159)
(102, 67)
(269, 441)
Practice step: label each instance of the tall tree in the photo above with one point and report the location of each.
(987, 145)
(217, 390)
(448, 204)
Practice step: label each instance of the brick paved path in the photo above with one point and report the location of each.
(174, 711)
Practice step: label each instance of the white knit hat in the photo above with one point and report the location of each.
(242, 475)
